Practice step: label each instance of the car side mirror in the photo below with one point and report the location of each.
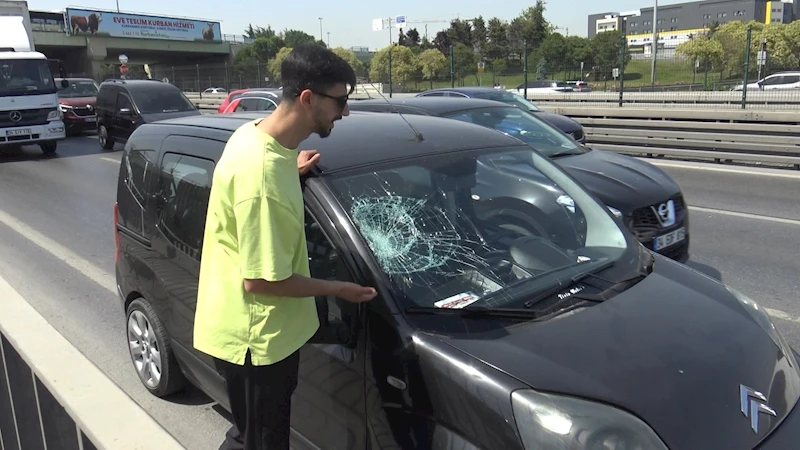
(125, 111)
(64, 84)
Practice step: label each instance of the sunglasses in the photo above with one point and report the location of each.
(341, 102)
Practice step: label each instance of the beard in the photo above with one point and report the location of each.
(323, 127)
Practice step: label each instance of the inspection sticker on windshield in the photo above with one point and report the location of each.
(457, 301)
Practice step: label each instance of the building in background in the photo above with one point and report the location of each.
(677, 23)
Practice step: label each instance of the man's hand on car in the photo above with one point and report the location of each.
(355, 293)
(306, 160)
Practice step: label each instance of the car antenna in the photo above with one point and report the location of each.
(417, 134)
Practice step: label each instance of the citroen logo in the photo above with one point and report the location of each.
(753, 403)
(665, 213)
(15, 116)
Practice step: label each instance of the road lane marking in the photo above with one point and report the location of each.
(70, 258)
(774, 173)
(745, 215)
(110, 159)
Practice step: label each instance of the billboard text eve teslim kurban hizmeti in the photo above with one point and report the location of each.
(111, 24)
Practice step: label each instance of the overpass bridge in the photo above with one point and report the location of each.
(94, 51)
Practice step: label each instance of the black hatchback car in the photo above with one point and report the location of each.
(506, 318)
(649, 202)
(124, 105)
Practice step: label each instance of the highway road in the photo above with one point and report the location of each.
(57, 251)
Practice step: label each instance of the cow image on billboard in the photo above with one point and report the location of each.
(112, 24)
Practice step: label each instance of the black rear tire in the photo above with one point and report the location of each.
(49, 147)
(171, 379)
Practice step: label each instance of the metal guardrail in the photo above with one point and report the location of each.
(722, 135)
(766, 137)
(756, 99)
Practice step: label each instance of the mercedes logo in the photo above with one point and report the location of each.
(15, 116)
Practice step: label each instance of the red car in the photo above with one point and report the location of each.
(254, 100)
(228, 98)
(77, 102)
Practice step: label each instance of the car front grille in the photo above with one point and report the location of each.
(83, 111)
(645, 220)
(29, 117)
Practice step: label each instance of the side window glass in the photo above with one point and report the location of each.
(245, 104)
(338, 317)
(138, 167)
(184, 187)
(123, 102)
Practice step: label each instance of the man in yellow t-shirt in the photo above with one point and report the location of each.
(255, 300)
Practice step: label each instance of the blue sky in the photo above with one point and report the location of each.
(350, 21)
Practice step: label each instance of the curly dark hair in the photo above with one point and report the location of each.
(314, 67)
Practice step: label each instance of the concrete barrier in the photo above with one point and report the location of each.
(53, 397)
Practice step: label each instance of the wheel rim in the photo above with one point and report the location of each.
(144, 349)
(102, 136)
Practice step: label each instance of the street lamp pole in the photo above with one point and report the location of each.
(320, 29)
(329, 39)
(117, 5)
(655, 44)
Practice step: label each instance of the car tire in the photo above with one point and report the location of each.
(105, 140)
(150, 350)
(49, 147)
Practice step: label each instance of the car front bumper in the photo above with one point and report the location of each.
(33, 134)
(787, 435)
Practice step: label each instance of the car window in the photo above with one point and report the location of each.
(78, 88)
(522, 125)
(139, 165)
(184, 188)
(123, 102)
(508, 98)
(155, 101)
(490, 228)
(338, 317)
(432, 94)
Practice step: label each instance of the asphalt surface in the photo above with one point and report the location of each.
(57, 250)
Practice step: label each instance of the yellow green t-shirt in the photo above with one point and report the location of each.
(254, 229)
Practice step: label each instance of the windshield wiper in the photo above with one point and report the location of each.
(565, 153)
(555, 289)
(476, 311)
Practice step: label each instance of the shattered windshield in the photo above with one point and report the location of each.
(450, 231)
(509, 98)
(522, 125)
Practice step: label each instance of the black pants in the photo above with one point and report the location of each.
(261, 400)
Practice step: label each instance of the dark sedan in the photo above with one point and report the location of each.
(563, 123)
(648, 201)
(486, 333)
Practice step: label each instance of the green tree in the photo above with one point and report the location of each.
(351, 58)
(403, 65)
(542, 69)
(607, 48)
(274, 64)
(431, 63)
(701, 49)
(465, 61)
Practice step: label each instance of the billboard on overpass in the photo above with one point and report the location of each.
(111, 24)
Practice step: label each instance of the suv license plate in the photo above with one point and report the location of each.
(668, 239)
(91, 119)
(22, 132)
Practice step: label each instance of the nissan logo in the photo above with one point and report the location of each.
(15, 116)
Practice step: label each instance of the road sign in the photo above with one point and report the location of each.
(481, 66)
(165, 80)
(123, 69)
(762, 57)
(123, 59)
(400, 22)
(615, 72)
(377, 24)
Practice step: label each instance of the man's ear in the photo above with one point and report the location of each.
(305, 97)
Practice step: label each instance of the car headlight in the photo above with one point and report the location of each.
(555, 422)
(64, 108)
(55, 114)
(762, 318)
(615, 212)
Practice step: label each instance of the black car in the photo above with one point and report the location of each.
(563, 123)
(124, 105)
(648, 201)
(506, 318)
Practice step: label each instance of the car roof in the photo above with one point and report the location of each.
(436, 105)
(367, 138)
(139, 85)
(465, 89)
